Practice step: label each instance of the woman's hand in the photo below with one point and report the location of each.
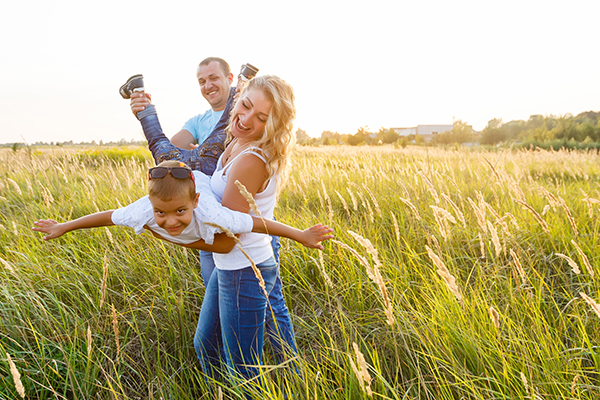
(312, 236)
(52, 228)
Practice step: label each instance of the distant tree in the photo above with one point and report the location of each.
(387, 135)
(493, 132)
(301, 137)
(419, 140)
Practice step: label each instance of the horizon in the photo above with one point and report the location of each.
(388, 65)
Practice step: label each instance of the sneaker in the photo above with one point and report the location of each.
(133, 84)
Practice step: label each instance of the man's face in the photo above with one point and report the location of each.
(174, 215)
(214, 84)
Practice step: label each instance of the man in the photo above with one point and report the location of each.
(207, 130)
(215, 79)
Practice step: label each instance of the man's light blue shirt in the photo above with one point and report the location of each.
(202, 125)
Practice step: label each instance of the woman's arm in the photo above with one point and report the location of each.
(221, 243)
(55, 229)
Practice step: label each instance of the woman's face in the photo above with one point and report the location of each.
(250, 115)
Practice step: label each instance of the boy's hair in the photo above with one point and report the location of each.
(169, 187)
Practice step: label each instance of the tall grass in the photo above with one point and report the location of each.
(111, 315)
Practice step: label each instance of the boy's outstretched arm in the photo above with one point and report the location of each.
(54, 229)
(311, 237)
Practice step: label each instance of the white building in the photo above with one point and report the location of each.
(427, 132)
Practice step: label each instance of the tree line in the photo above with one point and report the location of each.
(544, 131)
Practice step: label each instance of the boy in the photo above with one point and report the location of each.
(177, 207)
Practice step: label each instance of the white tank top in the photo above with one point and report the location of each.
(256, 245)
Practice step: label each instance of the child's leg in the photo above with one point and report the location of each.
(203, 158)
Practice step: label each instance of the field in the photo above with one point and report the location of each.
(454, 274)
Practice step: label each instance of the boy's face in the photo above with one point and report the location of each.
(174, 215)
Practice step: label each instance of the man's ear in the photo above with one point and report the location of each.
(196, 200)
(230, 78)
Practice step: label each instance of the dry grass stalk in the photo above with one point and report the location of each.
(329, 208)
(104, 280)
(396, 229)
(89, 341)
(537, 216)
(321, 266)
(376, 275)
(16, 377)
(115, 325)
(569, 216)
(479, 214)
(513, 220)
(574, 385)
(481, 245)
(373, 199)
(495, 317)
(343, 202)
(495, 239)
(109, 234)
(545, 209)
(362, 372)
(518, 265)
(220, 393)
(362, 259)
(15, 186)
(430, 187)
(7, 266)
(442, 224)
(457, 211)
(48, 199)
(445, 273)
(412, 207)
(585, 260)
(354, 202)
(595, 306)
(261, 281)
(572, 264)
(525, 383)
(552, 200)
(248, 196)
(15, 230)
(436, 244)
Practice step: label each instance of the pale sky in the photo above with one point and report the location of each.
(352, 64)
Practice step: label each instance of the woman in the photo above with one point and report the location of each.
(260, 140)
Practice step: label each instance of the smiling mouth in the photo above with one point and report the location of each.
(241, 126)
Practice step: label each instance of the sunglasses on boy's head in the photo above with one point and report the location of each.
(177, 172)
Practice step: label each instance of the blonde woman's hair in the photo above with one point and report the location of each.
(278, 140)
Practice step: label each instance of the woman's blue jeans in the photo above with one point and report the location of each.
(234, 308)
(279, 328)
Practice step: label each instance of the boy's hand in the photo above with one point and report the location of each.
(49, 226)
(312, 236)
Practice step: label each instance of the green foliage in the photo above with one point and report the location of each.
(138, 154)
(465, 206)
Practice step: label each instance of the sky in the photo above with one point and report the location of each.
(352, 64)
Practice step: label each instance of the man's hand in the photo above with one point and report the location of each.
(52, 228)
(312, 236)
(139, 101)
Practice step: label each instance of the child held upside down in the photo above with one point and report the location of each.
(180, 207)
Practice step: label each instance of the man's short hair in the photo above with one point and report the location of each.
(224, 66)
(169, 187)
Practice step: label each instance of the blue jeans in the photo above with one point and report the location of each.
(234, 308)
(279, 328)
